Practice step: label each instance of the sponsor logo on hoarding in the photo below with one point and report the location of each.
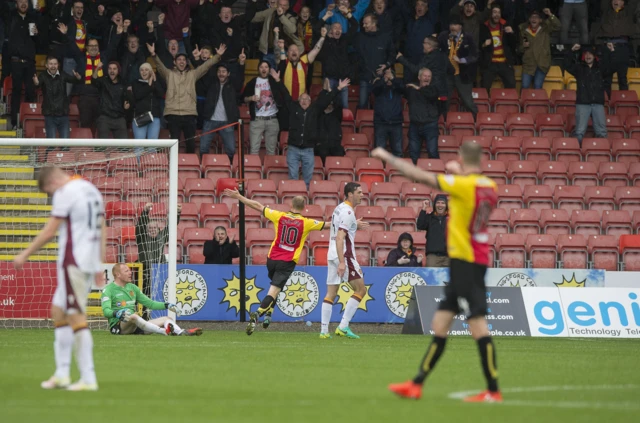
(516, 279)
(345, 291)
(191, 291)
(299, 296)
(232, 293)
(570, 283)
(398, 292)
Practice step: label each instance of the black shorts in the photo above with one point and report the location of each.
(116, 330)
(280, 271)
(465, 292)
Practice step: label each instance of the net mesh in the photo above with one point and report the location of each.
(134, 182)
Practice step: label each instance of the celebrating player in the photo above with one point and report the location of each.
(77, 215)
(473, 196)
(342, 263)
(119, 300)
(291, 230)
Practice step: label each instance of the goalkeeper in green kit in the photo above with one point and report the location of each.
(119, 300)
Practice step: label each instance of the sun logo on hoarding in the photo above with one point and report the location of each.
(232, 293)
(186, 292)
(345, 291)
(398, 292)
(571, 283)
(191, 291)
(299, 296)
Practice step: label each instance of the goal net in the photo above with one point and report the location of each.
(139, 184)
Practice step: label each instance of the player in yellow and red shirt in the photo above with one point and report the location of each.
(291, 231)
(473, 196)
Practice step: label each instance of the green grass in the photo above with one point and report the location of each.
(296, 377)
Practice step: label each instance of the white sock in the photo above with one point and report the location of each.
(62, 346)
(177, 329)
(349, 311)
(84, 355)
(150, 327)
(326, 317)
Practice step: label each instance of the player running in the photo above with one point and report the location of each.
(473, 196)
(77, 215)
(291, 230)
(342, 265)
(119, 300)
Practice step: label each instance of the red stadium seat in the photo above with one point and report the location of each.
(490, 124)
(552, 173)
(566, 149)
(138, 190)
(536, 149)
(624, 103)
(216, 166)
(555, 222)
(199, 191)
(460, 123)
(628, 198)
(120, 213)
(498, 222)
(385, 194)
(496, 170)
(156, 164)
(252, 166)
(369, 170)
(520, 125)
(506, 148)
(522, 173)
(194, 239)
(348, 121)
(634, 173)
(635, 221)
(252, 218)
(364, 117)
(630, 252)
(573, 251)
(189, 216)
(603, 250)
(484, 141)
(359, 144)
(510, 197)
(413, 195)
(109, 187)
(339, 169)
(315, 212)
(596, 150)
(534, 101)
(30, 115)
(432, 165)
(583, 173)
(524, 221)
(626, 150)
(538, 197)
(599, 198)
(613, 174)
(481, 99)
(448, 147)
(374, 215)
(542, 251)
(585, 222)
(505, 100)
(324, 193)
(550, 125)
(616, 222)
(262, 190)
(289, 189)
(392, 173)
(569, 198)
(510, 250)
(212, 215)
(319, 244)
(563, 101)
(615, 127)
(401, 219)
(259, 242)
(382, 243)
(276, 169)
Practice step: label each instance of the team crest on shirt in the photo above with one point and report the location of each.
(131, 294)
(191, 291)
(398, 292)
(299, 296)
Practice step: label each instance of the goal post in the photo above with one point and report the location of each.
(139, 182)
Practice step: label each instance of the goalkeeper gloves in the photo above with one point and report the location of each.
(123, 315)
(171, 307)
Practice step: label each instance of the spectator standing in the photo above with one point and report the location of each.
(435, 223)
(55, 102)
(22, 43)
(497, 41)
(303, 124)
(423, 116)
(471, 19)
(264, 104)
(280, 18)
(308, 34)
(463, 57)
(535, 44)
(222, 249)
(329, 132)
(77, 34)
(177, 16)
(151, 241)
(389, 21)
(375, 54)
(591, 75)
(221, 108)
(405, 254)
(335, 54)
(89, 99)
(387, 115)
(132, 58)
(180, 103)
(617, 26)
(147, 94)
(578, 11)
(421, 24)
(357, 12)
(113, 103)
(167, 48)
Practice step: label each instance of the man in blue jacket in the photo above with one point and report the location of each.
(357, 12)
(387, 116)
(375, 54)
(420, 23)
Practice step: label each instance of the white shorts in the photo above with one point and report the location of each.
(352, 272)
(73, 289)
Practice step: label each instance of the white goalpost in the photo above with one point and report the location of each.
(139, 183)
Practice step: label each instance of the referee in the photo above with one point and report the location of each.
(473, 196)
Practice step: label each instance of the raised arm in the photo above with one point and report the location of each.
(316, 49)
(407, 169)
(249, 203)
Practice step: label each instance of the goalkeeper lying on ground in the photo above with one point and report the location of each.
(119, 301)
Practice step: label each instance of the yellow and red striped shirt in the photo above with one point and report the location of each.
(498, 45)
(291, 230)
(295, 79)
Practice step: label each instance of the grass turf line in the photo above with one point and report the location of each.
(296, 377)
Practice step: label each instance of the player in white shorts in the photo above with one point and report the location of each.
(77, 215)
(342, 263)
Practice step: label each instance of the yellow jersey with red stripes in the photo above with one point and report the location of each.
(295, 78)
(291, 230)
(472, 199)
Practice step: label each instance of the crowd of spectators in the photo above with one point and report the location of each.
(180, 64)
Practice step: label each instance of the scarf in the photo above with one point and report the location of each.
(453, 51)
(91, 66)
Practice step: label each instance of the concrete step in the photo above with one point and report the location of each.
(16, 173)
(39, 257)
(50, 249)
(17, 185)
(10, 159)
(3, 124)
(23, 198)
(31, 210)
(8, 134)
(19, 235)
(9, 149)
(11, 222)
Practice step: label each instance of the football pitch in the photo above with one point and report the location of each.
(227, 376)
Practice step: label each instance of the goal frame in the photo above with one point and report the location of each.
(172, 215)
